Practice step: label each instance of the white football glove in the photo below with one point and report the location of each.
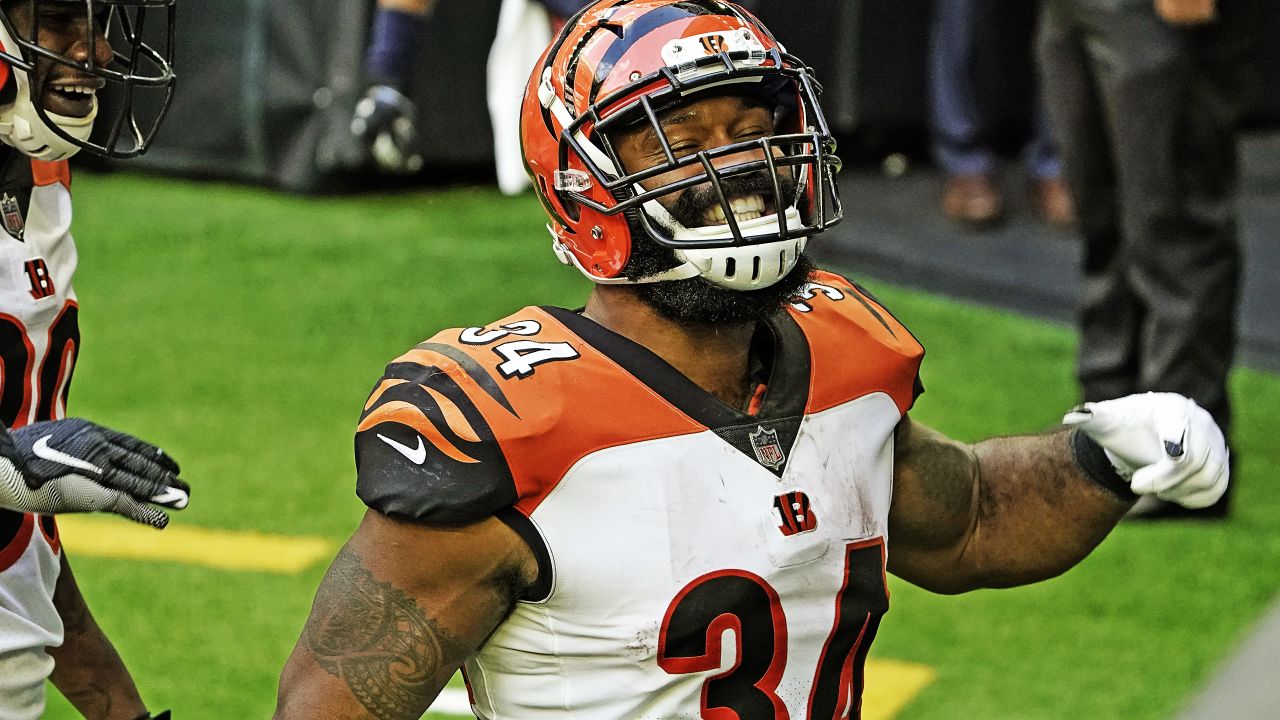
(1161, 443)
(73, 465)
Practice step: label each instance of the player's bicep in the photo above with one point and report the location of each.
(935, 506)
(401, 608)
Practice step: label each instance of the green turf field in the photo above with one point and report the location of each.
(242, 330)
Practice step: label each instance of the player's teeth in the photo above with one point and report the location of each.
(744, 209)
(747, 205)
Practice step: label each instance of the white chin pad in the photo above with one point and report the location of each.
(745, 268)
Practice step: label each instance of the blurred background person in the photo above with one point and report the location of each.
(972, 195)
(525, 28)
(1145, 96)
(385, 120)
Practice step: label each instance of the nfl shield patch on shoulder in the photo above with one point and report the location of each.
(767, 448)
(11, 211)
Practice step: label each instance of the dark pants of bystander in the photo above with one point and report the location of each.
(1146, 114)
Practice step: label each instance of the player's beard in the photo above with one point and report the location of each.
(697, 301)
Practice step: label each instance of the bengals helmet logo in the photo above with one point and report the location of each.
(713, 44)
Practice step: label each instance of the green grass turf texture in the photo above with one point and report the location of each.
(242, 330)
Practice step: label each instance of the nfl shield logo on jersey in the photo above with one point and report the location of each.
(14, 224)
(768, 450)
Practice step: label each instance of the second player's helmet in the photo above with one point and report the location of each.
(141, 36)
(619, 64)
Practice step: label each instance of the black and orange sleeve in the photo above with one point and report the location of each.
(424, 450)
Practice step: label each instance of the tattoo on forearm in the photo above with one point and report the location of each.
(375, 638)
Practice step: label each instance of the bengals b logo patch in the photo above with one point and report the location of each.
(41, 281)
(796, 513)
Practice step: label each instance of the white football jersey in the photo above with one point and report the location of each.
(39, 338)
(694, 558)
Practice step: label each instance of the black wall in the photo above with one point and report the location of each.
(266, 87)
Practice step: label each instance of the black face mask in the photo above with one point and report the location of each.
(692, 204)
(697, 301)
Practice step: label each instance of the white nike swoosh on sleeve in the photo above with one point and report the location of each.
(42, 450)
(415, 455)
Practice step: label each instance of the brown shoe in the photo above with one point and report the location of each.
(972, 200)
(1053, 202)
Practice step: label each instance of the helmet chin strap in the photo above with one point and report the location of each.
(707, 264)
(683, 271)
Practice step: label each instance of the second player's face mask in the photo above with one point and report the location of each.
(68, 66)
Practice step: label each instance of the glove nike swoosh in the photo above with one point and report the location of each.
(172, 497)
(42, 450)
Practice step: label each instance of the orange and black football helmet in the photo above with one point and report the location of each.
(618, 64)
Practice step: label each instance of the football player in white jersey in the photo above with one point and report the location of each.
(56, 58)
(681, 500)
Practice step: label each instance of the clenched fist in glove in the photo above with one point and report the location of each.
(73, 465)
(1161, 443)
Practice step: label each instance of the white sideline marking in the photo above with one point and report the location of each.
(453, 701)
(1245, 686)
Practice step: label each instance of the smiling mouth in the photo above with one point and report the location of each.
(745, 208)
(71, 98)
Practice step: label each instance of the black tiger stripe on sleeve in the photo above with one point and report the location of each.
(424, 451)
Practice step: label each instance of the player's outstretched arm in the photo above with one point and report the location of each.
(87, 670)
(1011, 511)
(401, 608)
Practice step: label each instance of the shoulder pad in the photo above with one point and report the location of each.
(430, 443)
(857, 346)
(425, 452)
(479, 419)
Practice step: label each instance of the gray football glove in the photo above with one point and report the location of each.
(73, 465)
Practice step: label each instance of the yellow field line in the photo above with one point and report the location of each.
(890, 685)
(86, 536)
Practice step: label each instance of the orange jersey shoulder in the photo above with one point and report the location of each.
(477, 419)
(856, 346)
